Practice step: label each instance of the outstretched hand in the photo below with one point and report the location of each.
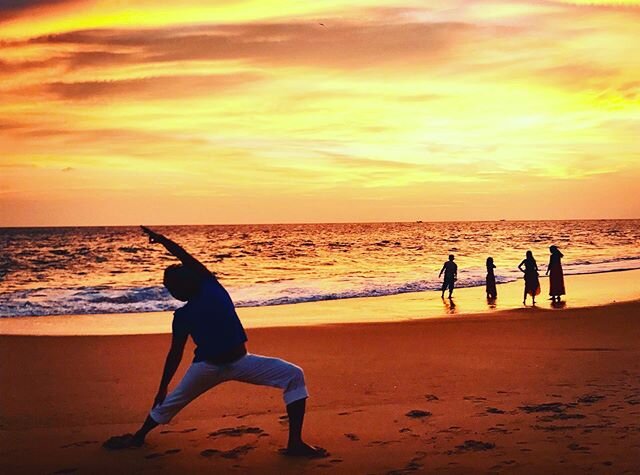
(154, 237)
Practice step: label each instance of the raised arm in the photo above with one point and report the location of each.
(187, 259)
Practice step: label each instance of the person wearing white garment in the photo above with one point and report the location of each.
(209, 317)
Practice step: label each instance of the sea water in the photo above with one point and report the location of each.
(106, 270)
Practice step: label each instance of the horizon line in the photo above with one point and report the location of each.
(315, 223)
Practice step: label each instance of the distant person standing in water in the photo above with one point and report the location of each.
(492, 292)
(450, 270)
(556, 276)
(531, 281)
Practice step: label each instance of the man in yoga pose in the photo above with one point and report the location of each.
(209, 317)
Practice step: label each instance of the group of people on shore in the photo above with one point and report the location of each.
(528, 266)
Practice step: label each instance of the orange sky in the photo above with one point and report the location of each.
(155, 111)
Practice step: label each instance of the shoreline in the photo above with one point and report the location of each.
(584, 290)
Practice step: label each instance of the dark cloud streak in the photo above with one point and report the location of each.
(345, 45)
(156, 87)
(10, 9)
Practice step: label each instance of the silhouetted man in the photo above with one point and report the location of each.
(209, 317)
(450, 270)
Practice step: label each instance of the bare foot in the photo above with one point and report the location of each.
(126, 441)
(305, 450)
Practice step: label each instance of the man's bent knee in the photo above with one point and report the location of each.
(296, 388)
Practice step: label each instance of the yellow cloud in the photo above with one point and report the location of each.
(382, 111)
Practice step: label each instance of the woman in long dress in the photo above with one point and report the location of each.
(492, 292)
(556, 276)
(529, 267)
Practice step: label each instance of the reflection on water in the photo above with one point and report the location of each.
(449, 305)
(559, 304)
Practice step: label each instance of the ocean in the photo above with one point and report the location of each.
(107, 270)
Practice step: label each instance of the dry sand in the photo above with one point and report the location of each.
(518, 391)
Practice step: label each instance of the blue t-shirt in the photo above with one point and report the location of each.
(211, 320)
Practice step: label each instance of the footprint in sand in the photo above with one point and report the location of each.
(210, 452)
(590, 398)
(578, 448)
(183, 431)
(473, 446)
(475, 399)
(431, 397)
(381, 443)
(495, 410)
(634, 399)
(237, 452)
(156, 455)
(352, 437)
(235, 431)
(561, 417)
(414, 465)
(547, 407)
(79, 444)
(498, 430)
(418, 414)
(234, 453)
(452, 430)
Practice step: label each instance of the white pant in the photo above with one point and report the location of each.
(253, 369)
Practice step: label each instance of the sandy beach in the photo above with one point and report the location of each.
(366, 189)
(515, 391)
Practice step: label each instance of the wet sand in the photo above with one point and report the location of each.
(519, 391)
(584, 291)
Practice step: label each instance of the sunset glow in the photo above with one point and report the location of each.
(280, 111)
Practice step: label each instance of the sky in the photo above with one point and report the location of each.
(263, 111)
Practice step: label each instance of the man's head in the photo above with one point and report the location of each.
(451, 257)
(182, 283)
